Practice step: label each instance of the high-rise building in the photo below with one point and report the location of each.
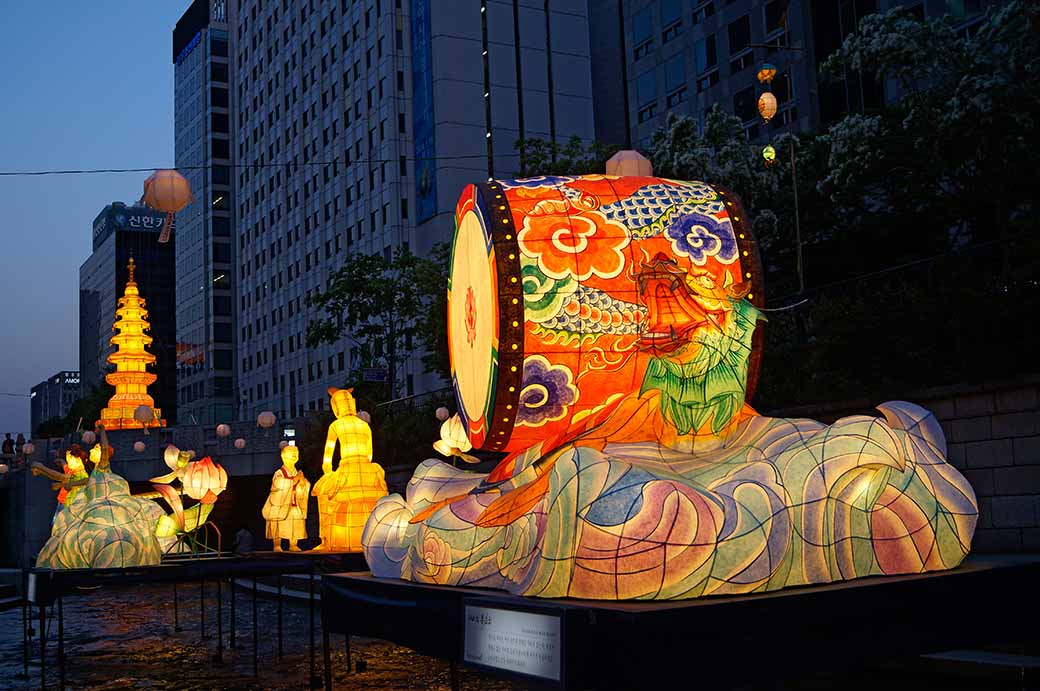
(357, 123)
(684, 57)
(53, 397)
(122, 232)
(205, 250)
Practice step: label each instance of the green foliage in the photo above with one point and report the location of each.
(379, 304)
(432, 326)
(85, 411)
(540, 157)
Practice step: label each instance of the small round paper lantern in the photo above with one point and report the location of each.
(223, 431)
(766, 73)
(266, 419)
(3, 468)
(144, 414)
(167, 191)
(442, 413)
(204, 480)
(139, 446)
(240, 443)
(769, 155)
(28, 449)
(629, 163)
(767, 106)
(363, 415)
(282, 444)
(88, 437)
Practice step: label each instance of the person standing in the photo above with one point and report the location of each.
(8, 445)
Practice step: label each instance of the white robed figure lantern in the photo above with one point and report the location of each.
(286, 507)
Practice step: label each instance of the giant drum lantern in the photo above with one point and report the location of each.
(562, 288)
(604, 335)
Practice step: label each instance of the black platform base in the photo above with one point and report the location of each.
(714, 642)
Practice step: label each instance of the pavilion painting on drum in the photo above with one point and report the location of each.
(605, 333)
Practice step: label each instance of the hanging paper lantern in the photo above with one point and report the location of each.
(442, 413)
(3, 468)
(266, 419)
(240, 443)
(767, 106)
(204, 480)
(88, 437)
(769, 155)
(167, 191)
(139, 446)
(223, 431)
(28, 449)
(282, 444)
(144, 414)
(766, 73)
(364, 415)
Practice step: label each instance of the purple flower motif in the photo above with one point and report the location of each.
(546, 392)
(700, 236)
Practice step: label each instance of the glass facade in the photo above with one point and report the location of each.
(204, 275)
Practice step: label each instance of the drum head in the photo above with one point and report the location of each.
(473, 320)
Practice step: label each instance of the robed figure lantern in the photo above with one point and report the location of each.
(286, 507)
(347, 494)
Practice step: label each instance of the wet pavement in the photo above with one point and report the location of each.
(124, 638)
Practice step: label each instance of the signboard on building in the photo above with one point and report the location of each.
(134, 218)
(422, 109)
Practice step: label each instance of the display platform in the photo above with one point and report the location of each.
(48, 587)
(722, 641)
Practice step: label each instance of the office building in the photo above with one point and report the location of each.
(119, 233)
(53, 397)
(684, 57)
(205, 252)
(357, 124)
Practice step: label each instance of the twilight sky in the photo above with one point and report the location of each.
(85, 85)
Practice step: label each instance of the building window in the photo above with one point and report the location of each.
(739, 34)
(703, 11)
(776, 17)
(675, 80)
(744, 104)
(671, 19)
(642, 32)
(646, 95)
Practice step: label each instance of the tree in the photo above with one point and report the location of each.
(84, 412)
(378, 303)
(432, 326)
(540, 157)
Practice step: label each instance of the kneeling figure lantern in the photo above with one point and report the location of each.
(347, 494)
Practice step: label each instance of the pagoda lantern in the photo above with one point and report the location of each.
(131, 406)
(167, 191)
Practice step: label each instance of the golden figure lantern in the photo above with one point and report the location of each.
(347, 494)
(286, 507)
(767, 106)
(167, 191)
(204, 480)
(131, 406)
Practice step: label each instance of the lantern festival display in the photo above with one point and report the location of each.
(605, 333)
(286, 507)
(131, 407)
(204, 480)
(346, 494)
(102, 524)
(767, 106)
(167, 191)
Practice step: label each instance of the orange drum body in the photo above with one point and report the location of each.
(562, 290)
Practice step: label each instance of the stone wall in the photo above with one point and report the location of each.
(993, 437)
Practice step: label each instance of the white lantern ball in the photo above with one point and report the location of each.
(139, 446)
(442, 413)
(88, 437)
(282, 444)
(223, 431)
(28, 448)
(240, 443)
(266, 419)
(363, 414)
(3, 468)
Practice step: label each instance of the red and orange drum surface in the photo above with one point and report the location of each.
(563, 288)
